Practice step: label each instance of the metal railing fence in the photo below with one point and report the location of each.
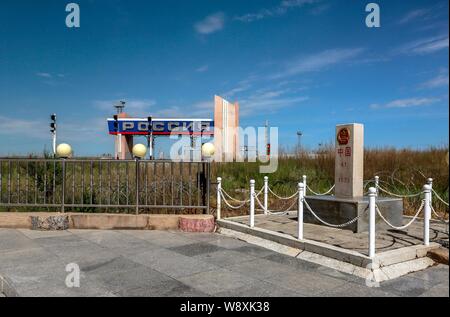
(108, 184)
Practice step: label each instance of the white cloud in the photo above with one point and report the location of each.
(242, 86)
(297, 3)
(407, 103)
(36, 129)
(202, 69)
(269, 101)
(424, 46)
(211, 24)
(44, 75)
(279, 10)
(261, 105)
(427, 17)
(320, 9)
(440, 80)
(413, 15)
(319, 61)
(23, 127)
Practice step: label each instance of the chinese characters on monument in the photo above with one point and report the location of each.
(349, 160)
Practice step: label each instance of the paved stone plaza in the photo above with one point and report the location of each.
(385, 239)
(161, 263)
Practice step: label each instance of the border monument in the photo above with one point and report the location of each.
(349, 200)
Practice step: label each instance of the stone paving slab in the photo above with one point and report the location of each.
(385, 239)
(155, 263)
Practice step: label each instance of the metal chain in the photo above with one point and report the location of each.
(278, 213)
(283, 198)
(332, 225)
(260, 191)
(439, 197)
(396, 195)
(367, 183)
(324, 194)
(440, 218)
(259, 203)
(229, 205)
(234, 199)
(405, 226)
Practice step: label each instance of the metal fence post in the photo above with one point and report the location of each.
(372, 214)
(377, 184)
(63, 186)
(430, 182)
(266, 194)
(427, 214)
(219, 202)
(301, 192)
(208, 187)
(137, 185)
(252, 203)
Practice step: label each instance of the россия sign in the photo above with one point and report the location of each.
(133, 126)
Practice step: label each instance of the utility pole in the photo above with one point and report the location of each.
(150, 137)
(53, 131)
(299, 145)
(116, 130)
(267, 138)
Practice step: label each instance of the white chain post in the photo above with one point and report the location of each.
(301, 193)
(266, 195)
(252, 203)
(427, 215)
(377, 184)
(372, 214)
(430, 182)
(305, 185)
(219, 197)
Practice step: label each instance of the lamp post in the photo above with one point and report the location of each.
(208, 151)
(63, 151)
(139, 151)
(150, 137)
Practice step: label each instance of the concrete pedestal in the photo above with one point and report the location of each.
(341, 210)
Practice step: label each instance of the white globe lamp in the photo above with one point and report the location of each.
(208, 150)
(64, 150)
(139, 151)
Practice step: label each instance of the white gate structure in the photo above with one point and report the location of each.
(426, 207)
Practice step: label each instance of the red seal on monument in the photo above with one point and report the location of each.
(343, 136)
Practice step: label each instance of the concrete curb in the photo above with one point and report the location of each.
(17, 220)
(385, 266)
(371, 273)
(340, 254)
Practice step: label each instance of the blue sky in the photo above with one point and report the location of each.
(302, 64)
